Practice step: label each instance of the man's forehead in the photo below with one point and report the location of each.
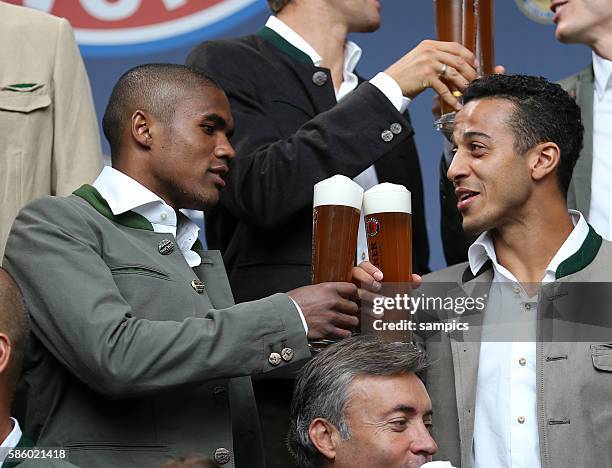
(482, 115)
(204, 102)
(384, 393)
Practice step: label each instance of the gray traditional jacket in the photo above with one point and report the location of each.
(134, 356)
(574, 362)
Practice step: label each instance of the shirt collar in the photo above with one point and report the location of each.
(352, 52)
(121, 192)
(602, 69)
(483, 249)
(12, 439)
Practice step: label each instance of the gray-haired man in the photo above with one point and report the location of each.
(361, 403)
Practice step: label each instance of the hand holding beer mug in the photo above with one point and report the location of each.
(388, 219)
(335, 221)
(470, 23)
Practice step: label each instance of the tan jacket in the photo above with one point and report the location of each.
(49, 139)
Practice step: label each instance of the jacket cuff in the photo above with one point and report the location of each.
(289, 345)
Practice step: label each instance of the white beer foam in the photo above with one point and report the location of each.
(387, 198)
(338, 190)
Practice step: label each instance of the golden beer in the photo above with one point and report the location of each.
(388, 218)
(336, 211)
(470, 23)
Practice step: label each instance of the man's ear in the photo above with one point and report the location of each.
(544, 159)
(5, 352)
(325, 437)
(141, 128)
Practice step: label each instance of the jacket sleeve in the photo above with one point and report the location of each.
(77, 155)
(80, 316)
(273, 175)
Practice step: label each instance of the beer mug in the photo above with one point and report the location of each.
(470, 23)
(388, 219)
(335, 221)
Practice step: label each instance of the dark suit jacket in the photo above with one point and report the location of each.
(290, 134)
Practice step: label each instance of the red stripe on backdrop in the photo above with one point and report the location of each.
(90, 14)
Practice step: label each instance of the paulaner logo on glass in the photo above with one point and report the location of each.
(413, 304)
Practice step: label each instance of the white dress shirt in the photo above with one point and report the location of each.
(600, 211)
(505, 423)
(122, 193)
(11, 440)
(387, 85)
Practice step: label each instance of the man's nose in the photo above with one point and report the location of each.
(458, 168)
(225, 149)
(423, 443)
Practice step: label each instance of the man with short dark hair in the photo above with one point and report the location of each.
(138, 351)
(528, 382)
(360, 403)
(587, 22)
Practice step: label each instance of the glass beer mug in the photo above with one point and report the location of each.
(470, 23)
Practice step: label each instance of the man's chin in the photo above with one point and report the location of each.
(472, 229)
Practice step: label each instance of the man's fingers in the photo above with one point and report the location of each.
(445, 94)
(346, 307)
(371, 270)
(346, 290)
(364, 276)
(346, 322)
(367, 298)
(459, 65)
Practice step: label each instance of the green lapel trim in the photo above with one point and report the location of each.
(23, 443)
(281, 44)
(585, 255)
(129, 218)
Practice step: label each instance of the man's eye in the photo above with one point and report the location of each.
(477, 149)
(398, 424)
(208, 129)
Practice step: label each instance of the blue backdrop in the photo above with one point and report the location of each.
(521, 45)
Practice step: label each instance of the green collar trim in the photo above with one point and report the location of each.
(585, 255)
(129, 218)
(24, 443)
(281, 44)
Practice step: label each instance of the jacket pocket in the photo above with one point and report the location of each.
(145, 270)
(601, 354)
(115, 446)
(23, 102)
